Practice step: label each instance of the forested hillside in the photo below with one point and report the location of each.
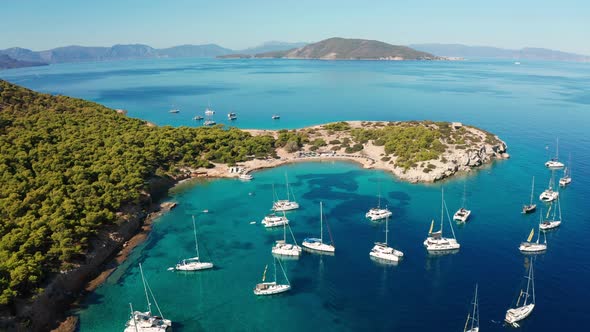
(68, 165)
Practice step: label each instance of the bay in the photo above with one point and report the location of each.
(527, 105)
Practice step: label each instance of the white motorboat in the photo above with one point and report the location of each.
(270, 288)
(245, 176)
(282, 248)
(381, 250)
(315, 244)
(272, 220)
(530, 247)
(232, 116)
(174, 111)
(193, 263)
(462, 214)
(523, 307)
(529, 208)
(285, 204)
(209, 111)
(554, 221)
(209, 123)
(198, 118)
(554, 162)
(472, 323)
(276, 117)
(146, 321)
(435, 242)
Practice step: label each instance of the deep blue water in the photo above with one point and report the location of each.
(528, 106)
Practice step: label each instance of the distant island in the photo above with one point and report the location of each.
(527, 53)
(345, 49)
(6, 62)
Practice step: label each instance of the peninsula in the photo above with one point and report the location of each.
(414, 151)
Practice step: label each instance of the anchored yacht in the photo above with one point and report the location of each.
(435, 242)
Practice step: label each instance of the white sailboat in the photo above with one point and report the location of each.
(472, 323)
(530, 207)
(554, 163)
(567, 174)
(316, 244)
(525, 302)
(285, 204)
(208, 114)
(435, 242)
(282, 248)
(554, 221)
(549, 194)
(383, 251)
(378, 213)
(270, 288)
(193, 263)
(462, 214)
(529, 247)
(145, 321)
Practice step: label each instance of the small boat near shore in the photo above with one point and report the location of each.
(245, 176)
(231, 116)
(198, 118)
(462, 214)
(146, 321)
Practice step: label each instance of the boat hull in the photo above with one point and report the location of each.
(286, 249)
(462, 215)
(194, 266)
(527, 247)
(274, 221)
(550, 224)
(285, 206)
(554, 164)
(318, 246)
(515, 315)
(529, 208)
(270, 288)
(378, 214)
(442, 244)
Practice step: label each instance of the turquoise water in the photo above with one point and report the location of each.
(527, 106)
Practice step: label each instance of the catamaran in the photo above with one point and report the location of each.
(523, 307)
(472, 323)
(316, 244)
(194, 263)
(554, 163)
(462, 214)
(383, 251)
(567, 174)
(549, 194)
(282, 248)
(530, 207)
(285, 204)
(435, 242)
(272, 220)
(554, 221)
(378, 213)
(270, 288)
(146, 321)
(530, 247)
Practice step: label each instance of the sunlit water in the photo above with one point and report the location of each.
(528, 106)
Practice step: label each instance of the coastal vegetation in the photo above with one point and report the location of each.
(67, 166)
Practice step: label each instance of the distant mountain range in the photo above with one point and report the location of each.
(333, 48)
(7, 62)
(345, 49)
(529, 53)
(132, 51)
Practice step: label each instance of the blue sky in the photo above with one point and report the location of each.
(40, 24)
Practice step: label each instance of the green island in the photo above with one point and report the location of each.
(70, 167)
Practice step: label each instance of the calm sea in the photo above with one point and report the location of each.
(527, 105)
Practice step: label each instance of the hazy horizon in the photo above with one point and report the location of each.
(39, 25)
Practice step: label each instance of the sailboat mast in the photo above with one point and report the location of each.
(464, 194)
(442, 206)
(287, 182)
(475, 311)
(275, 265)
(539, 229)
(284, 230)
(386, 228)
(557, 149)
(321, 223)
(532, 190)
(195, 233)
(147, 298)
(532, 279)
(133, 317)
(528, 284)
(284, 273)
